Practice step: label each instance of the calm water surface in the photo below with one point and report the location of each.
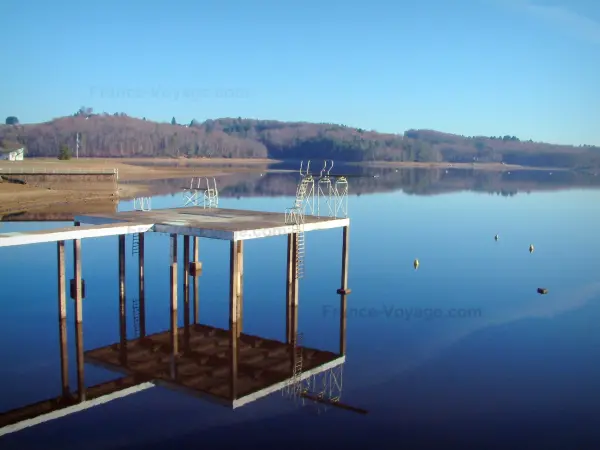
(499, 366)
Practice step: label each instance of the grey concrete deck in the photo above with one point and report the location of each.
(225, 224)
(214, 223)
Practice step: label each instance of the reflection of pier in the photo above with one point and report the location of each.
(225, 365)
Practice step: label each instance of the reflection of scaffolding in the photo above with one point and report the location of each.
(324, 389)
(209, 194)
(321, 390)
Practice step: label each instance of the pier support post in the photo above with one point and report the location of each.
(62, 319)
(345, 247)
(291, 324)
(186, 280)
(234, 279)
(78, 318)
(142, 285)
(195, 271)
(233, 283)
(122, 302)
(186, 289)
(240, 286)
(344, 290)
(173, 306)
(196, 281)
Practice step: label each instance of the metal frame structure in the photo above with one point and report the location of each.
(326, 191)
(210, 195)
(335, 196)
(330, 190)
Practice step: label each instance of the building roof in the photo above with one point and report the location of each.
(10, 150)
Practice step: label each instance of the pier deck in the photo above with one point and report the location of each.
(214, 223)
(68, 233)
(224, 224)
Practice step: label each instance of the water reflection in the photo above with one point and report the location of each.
(417, 181)
(223, 366)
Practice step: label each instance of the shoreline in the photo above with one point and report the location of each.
(496, 167)
(87, 196)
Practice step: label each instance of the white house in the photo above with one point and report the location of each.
(12, 155)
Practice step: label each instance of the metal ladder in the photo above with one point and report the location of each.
(299, 230)
(301, 193)
(299, 227)
(136, 317)
(135, 244)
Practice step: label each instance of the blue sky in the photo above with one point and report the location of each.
(475, 67)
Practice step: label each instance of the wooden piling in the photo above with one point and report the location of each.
(186, 280)
(62, 318)
(78, 319)
(196, 281)
(122, 301)
(186, 289)
(291, 290)
(142, 285)
(233, 315)
(240, 286)
(173, 306)
(343, 291)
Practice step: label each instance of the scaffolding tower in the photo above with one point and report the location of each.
(331, 192)
(295, 217)
(325, 191)
(198, 189)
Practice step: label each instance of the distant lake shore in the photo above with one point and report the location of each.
(143, 177)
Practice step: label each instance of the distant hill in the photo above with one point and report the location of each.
(104, 135)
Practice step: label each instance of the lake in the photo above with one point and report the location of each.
(462, 350)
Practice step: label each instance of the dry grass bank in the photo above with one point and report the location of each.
(45, 193)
